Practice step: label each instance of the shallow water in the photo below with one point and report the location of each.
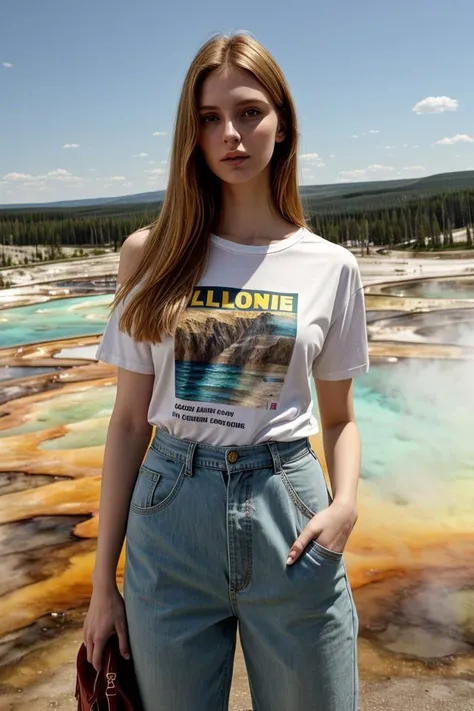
(60, 318)
(434, 289)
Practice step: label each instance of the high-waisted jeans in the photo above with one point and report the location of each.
(208, 535)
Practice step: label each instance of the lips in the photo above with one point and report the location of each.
(235, 160)
(234, 155)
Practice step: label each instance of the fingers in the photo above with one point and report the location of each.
(307, 534)
(90, 649)
(123, 640)
(98, 652)
(95, 651)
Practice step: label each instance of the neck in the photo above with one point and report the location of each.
(248, 214)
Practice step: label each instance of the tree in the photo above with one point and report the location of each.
(468, 237)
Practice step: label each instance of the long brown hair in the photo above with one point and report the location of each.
(177, 246)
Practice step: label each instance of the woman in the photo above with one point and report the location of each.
(233, 305)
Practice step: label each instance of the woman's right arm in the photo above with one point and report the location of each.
(127, 440)
(128, 437)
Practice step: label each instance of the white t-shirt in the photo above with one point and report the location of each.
(261, 322)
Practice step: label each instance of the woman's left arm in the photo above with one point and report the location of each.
(341, 439)
(332, 526)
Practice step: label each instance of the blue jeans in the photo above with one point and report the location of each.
(208, 535)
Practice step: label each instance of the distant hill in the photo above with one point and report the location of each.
(138, 199)
(333, 195)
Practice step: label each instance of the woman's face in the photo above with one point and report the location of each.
(237, 116)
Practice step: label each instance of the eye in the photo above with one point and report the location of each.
(208, 118)
(256, 113)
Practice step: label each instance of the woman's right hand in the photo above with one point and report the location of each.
(105, 617)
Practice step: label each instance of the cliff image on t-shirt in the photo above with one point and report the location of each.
(234, 346)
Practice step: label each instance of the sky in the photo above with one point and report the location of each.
(89, 88)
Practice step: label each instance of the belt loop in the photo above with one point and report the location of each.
(189, 459)
(275, 456)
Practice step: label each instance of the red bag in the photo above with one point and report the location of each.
(113, 688)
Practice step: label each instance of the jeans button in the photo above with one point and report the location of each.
(232, 457)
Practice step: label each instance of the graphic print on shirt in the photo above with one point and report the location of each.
(234, 346)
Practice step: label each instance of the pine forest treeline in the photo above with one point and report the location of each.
(427, 222)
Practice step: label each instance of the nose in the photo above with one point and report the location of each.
(231, 135)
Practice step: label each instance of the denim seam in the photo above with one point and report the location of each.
(248, 539)
(354, 645)
(148, 473)
(209, 463)
(151, 491)
(147, 511)
(177, 456)
(295, 458)
(299, 503)
(231, 558)
(325, 552)
(264, 463)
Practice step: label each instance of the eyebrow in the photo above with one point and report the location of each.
(245, 102)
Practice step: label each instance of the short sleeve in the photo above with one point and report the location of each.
(345, 351)
(118, 348)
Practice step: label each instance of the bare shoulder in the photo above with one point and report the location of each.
(131, 254)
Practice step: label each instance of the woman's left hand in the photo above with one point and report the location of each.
(331, 528)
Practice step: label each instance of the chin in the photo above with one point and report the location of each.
(238, 177)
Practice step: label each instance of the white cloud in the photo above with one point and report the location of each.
(117, 177)
(151, 162)
(374, 130)
(332, 155)
(92, 170)
(159, 133)
(436, 105)
(351, 174)
(164, 162)
(71, 145)
(7, 65)
(60, 174)
(312, 159)
(376, 167)
(156, 171)
(310, 156)
(459, 138)
(140, 155)
(415, 168)
(371, 171)
(354, 135)
(11, 177)
(65, 176)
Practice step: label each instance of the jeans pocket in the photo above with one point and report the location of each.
(322, 552)
(158, 483)
(304, 482)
